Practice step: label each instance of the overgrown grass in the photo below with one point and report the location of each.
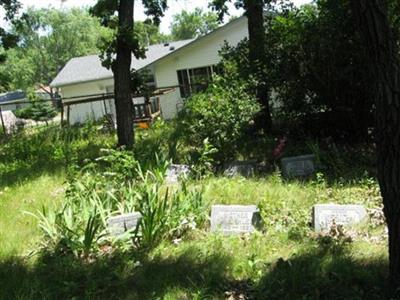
(46, 149)
(19, 231)
(287, 260)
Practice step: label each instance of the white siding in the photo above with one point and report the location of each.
(199, 54)
(203, 52)
(79, 113)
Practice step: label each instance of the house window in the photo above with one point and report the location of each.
(194, 80)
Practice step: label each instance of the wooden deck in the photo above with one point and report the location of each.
(147, 112)
(142, 112)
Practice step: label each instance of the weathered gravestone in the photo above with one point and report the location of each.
(176, 172)
(240, 168)
(298, 166)
(119, 224)
(235, 219)
(325, 215)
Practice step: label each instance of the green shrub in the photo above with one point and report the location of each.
(116, 184)
(221, 114)
(24, 113)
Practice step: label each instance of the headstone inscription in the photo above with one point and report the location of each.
(119, 224)
(235, 219)
(326, 215)
(298, 166)
(240, 168)
(176, 172)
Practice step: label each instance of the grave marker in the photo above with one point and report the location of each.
(240, 168)
(175, 172)
(325, 215)
(298, 166)
(235, 219)
(119, 224)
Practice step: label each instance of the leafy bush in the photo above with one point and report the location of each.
(24, 113)
(38, 111)
(221, 114)
(116, 184)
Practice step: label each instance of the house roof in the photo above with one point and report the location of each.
(89, 68)
(12, 96)
(236, 20)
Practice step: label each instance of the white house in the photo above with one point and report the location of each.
(182, 63)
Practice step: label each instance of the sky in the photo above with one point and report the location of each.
(175, 7)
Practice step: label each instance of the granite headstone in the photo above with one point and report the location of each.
(235, 219)
(325, 215)
(298, 166)
(119, 224)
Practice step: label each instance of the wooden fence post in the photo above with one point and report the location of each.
(62, 114)
(2, 122)
(68, 111)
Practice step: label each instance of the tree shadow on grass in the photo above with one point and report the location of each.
(116, 277)
(328, 271)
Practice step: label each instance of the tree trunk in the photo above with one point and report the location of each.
(255, 15)
(122, 76)
(375, 29)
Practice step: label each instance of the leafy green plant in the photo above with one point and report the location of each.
(222, 115)
(204, 163)
(155, 211)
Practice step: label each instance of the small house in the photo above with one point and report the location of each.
(180, 66)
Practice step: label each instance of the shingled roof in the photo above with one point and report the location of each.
(89, 68)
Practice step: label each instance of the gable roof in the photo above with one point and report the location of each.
(200, 38)
(89, 68)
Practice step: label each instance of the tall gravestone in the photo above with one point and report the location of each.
(325, 215)
(120, 224)
(235, 219)
(298, 166)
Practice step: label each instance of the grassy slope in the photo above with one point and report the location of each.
(18, 231)
(286, 261)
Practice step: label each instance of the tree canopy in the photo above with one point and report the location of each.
(48, 38)
(189, 25)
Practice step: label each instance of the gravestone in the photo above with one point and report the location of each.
(176, 172)
(298, 166)
(235, 219)
(240, 168)
(119, 224)
(325, 215)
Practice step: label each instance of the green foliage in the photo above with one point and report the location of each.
(42, 111)
(47, 149)
(24, 113)
(310, 47)
(221, 114)
(189, 25)
(48, 39)
(287, 260)
(105, 11)
(149, 34)
(115, 184)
